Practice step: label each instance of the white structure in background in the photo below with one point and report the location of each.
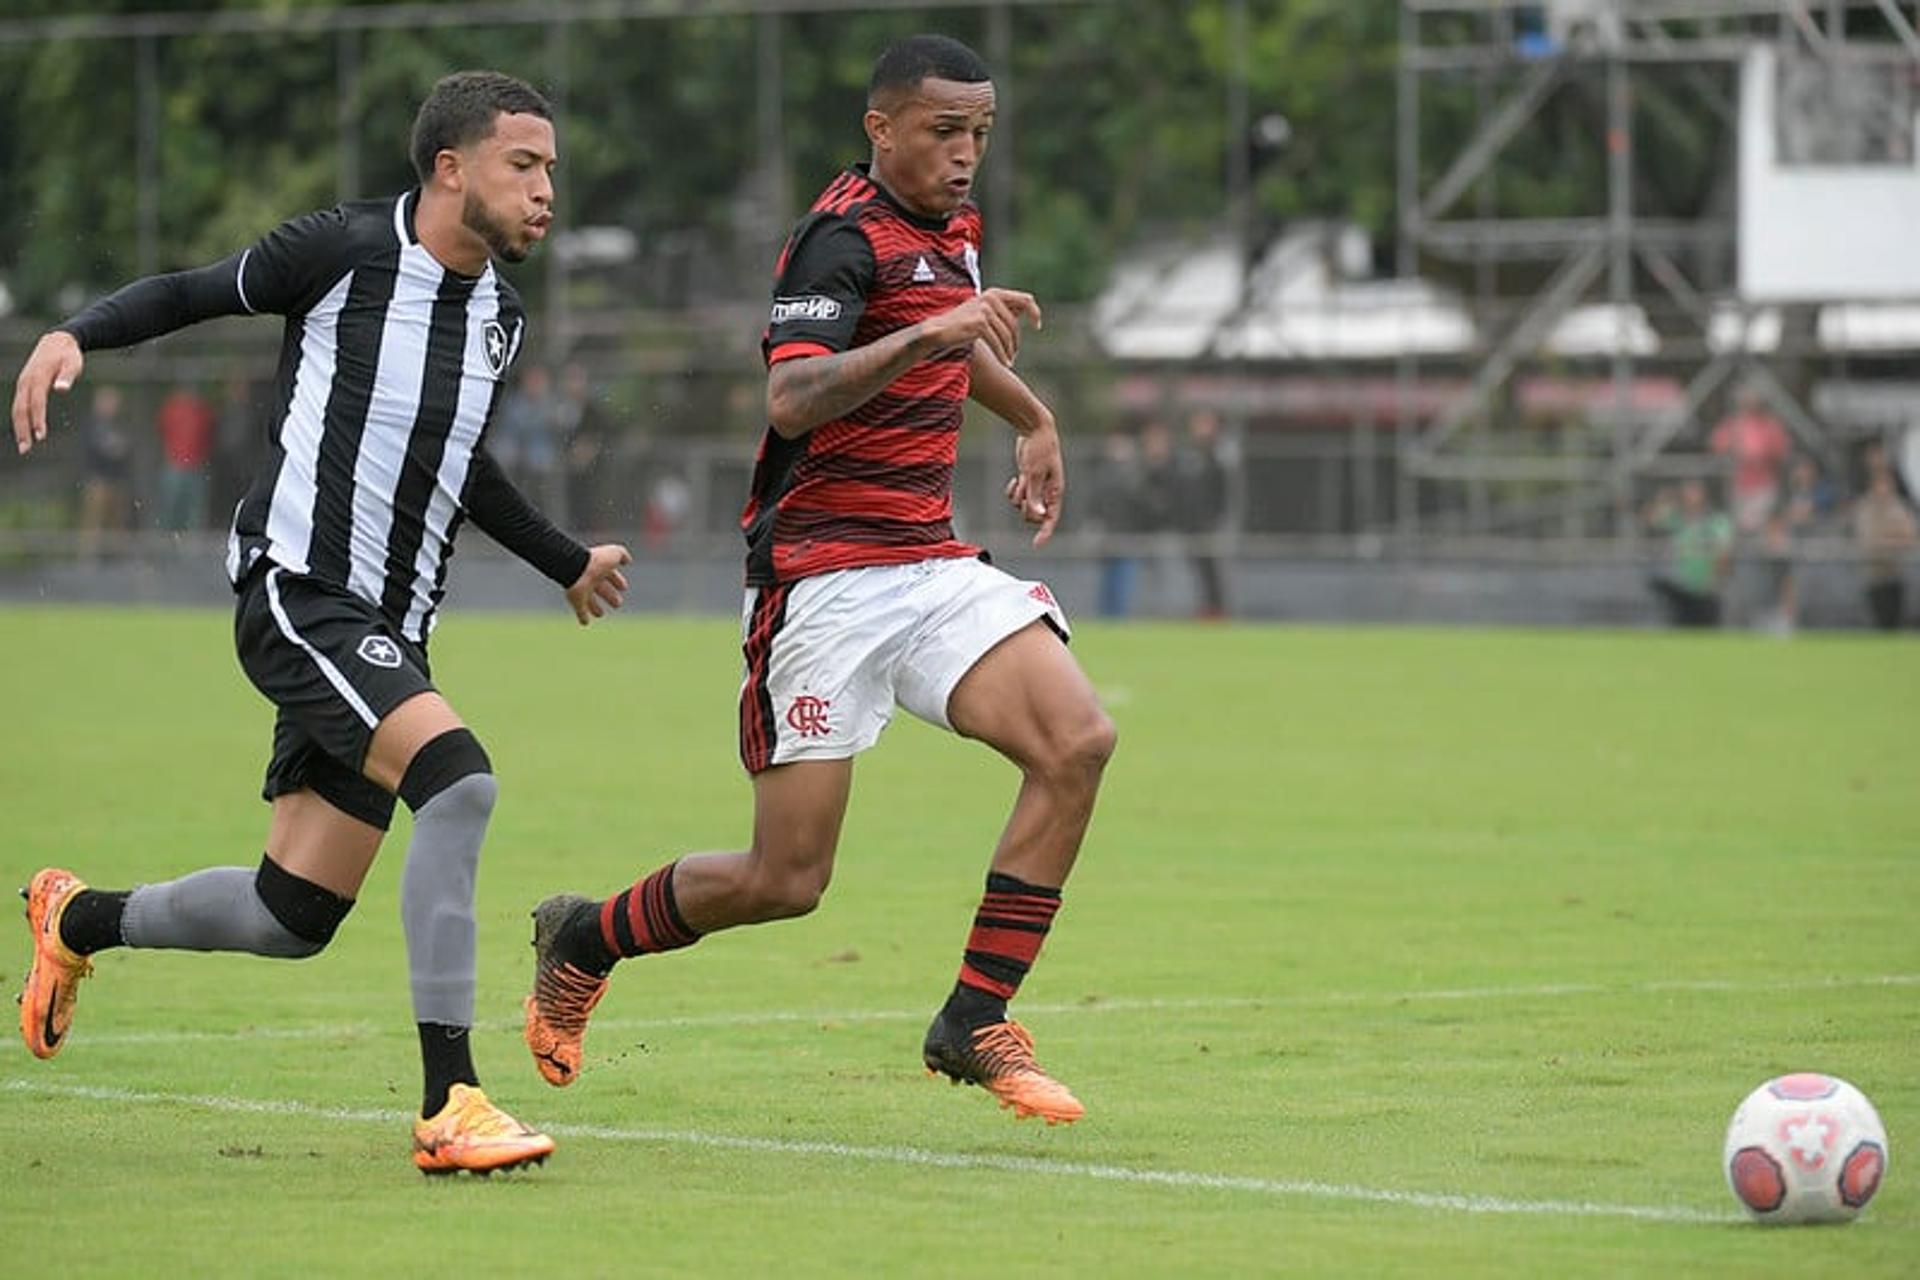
(1829, 185)
(1571, 20)
(1307, 298)
(1310, 297)
(1167, 303)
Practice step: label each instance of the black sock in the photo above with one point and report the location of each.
(447, 1060)
(91, 921)
(581, 943)
(975, 1008)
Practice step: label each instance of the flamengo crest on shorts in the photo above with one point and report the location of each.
(807, 716)
(830, 657)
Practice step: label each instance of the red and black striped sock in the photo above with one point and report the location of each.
(1008, 929)
(645, 919)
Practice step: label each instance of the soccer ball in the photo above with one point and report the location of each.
(1805, 1148)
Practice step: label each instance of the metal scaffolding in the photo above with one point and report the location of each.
(1517, 58)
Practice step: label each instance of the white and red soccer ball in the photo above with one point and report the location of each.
(1805, 1148)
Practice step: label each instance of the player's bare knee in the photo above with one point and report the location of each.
(305, 915)
(1077, 754)
(1102, 738)
(786, 892)
(795, 894)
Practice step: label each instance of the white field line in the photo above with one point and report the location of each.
(774, 1017)
(1179, 1179)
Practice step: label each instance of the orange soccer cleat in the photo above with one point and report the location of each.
(471, 1133)
(999, 1058)
(563, 995)
(54, 973)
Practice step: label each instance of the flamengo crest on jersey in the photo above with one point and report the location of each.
(389, 371)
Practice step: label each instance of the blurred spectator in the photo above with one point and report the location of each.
(1159, 478)
(105, 505)
(1754, 440)
(1811, 494)
(1875, 458)
(669, 503)
(1887, 533)
(1117, 513)
(1202, 505)
(1802, 508)
(234, 455)
(1699, 555)
(581, 427)
(1159, 511)
(185, 423)
(525, 441)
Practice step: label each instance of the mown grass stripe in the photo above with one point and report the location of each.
(1179, 1179)
(772, 1017)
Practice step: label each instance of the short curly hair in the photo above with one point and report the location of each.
(461, 109)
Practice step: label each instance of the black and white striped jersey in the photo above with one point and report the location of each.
(389, 371)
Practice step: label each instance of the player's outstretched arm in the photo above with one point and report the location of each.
(804, 393)
(145, 309)
(54, 365)
(1039, 483)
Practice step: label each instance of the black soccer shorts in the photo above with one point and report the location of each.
(334, 667)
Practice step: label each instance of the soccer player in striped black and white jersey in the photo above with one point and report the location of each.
(399, 333)
(860, 597)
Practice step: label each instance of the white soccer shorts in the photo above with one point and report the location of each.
(830, 656)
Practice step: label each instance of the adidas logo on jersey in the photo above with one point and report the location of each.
(922, 273)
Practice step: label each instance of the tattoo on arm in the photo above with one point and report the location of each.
(802, 394)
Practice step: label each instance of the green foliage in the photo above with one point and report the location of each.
(1116, 131)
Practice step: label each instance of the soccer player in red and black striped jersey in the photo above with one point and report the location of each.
(861, 598)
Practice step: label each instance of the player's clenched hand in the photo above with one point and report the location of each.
(601, 585)
(992, 317)
(1039, 484)
(53, 366)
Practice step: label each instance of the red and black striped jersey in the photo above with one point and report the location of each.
(876, 485)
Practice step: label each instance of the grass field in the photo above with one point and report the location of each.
(1391, 952)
